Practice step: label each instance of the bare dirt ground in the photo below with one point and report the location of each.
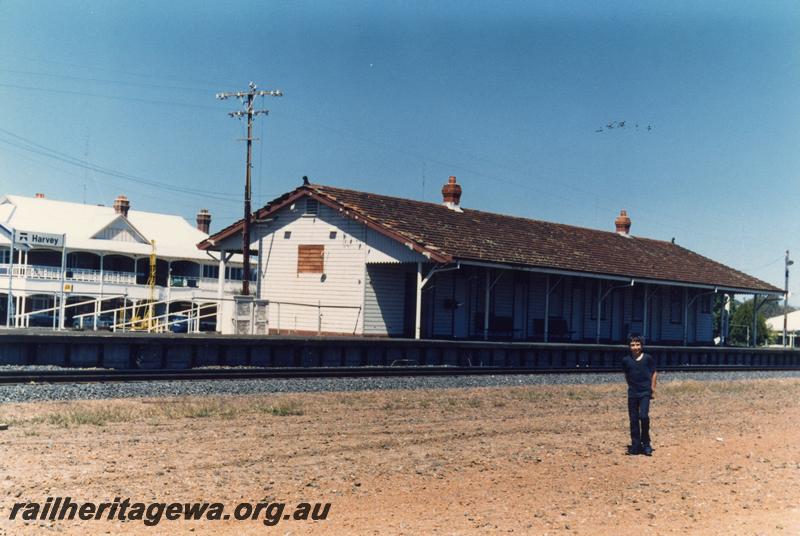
(527, 460)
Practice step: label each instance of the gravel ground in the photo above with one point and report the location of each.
(98, 391)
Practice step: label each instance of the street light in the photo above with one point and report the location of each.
(787, 264)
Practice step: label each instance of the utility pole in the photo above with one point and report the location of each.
(787, 263)
(250, 114)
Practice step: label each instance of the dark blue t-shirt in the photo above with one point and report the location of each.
(639, 375)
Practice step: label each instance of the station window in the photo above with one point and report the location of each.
(236, 273)
(38, 303)
(4, 256)
(210, 272)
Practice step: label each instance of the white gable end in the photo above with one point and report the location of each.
(330, 300)
(120, 230)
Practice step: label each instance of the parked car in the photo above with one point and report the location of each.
(178, 323)
(208, 325)
(105, 322)
(40, 320)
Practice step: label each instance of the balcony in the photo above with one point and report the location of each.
(177, 281)
(85, 275)
(81, 275)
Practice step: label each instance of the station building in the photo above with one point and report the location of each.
(776, 324)
(106, 262)
(335, 261)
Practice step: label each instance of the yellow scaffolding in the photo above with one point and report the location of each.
(144, 319)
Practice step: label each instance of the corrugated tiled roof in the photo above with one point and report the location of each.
(473, 235)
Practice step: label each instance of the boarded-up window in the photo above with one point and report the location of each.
(310, 259)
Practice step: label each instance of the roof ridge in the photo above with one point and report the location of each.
(472, 210)
(95, 206)
(709, 259)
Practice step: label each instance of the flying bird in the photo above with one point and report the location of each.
(621, 124)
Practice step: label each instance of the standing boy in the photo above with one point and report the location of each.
(640, 373)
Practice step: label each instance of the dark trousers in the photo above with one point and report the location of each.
(639, 414)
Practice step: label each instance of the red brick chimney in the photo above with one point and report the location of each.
(39, 196)
(121, 205)
(204, 220)
(623, 223)
(451, 194)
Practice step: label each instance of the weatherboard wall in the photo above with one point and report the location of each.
(332, 301)
(384, 303)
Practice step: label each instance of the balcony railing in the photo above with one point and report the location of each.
(184, 281)
(84, 275)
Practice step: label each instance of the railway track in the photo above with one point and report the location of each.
(250, 373)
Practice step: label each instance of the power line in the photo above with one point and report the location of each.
(107, 81)
(36, 148)
(111, 97)
(29, 60)
(146, 190)
(146, 193)
(770, 263)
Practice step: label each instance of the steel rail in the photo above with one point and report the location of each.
(253, 373)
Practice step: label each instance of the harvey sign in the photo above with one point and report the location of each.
(32, 238)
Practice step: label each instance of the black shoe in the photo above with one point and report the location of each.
(633, 450)
(647, 450)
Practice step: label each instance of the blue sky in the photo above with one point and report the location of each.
(393, 97)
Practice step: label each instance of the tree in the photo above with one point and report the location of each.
(774, 308)
(741, 324)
